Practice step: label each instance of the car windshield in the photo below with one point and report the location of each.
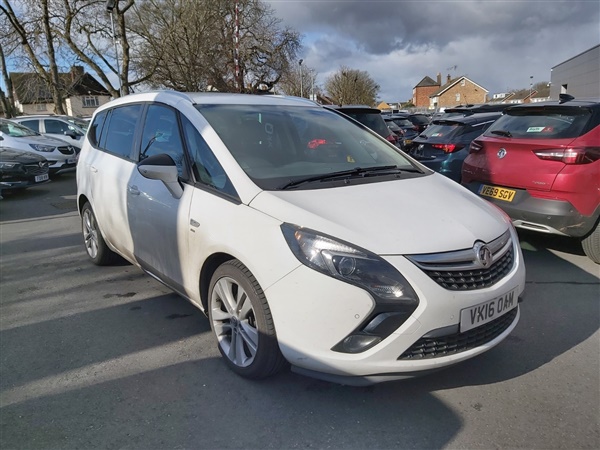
(541, 123)
(16, 130)
(276, 145)
(79, 123)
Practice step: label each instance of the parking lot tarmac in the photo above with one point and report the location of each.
(106, 357)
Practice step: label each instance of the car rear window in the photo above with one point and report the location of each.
(442, 130)
(373, 121)
(420, 119)
(541, 123)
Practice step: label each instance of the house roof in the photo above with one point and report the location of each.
(427, 82)
(32, 88)
(452, 83)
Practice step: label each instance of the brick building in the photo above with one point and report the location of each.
(424, 89)
(457, 91)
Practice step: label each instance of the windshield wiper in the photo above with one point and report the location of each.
(504, 133)
(356, 172)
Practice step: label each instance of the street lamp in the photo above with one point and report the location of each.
(530, 86)
(110, 6)
(301, 87)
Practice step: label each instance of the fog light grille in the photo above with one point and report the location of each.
(437, 347)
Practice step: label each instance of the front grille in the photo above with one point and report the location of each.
(35, 169)
(463, 270)
(473, 279)
(437, 347)
(66, 150)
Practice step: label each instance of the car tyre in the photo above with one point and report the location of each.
(591, 244)
(95, 246)
(242, 323)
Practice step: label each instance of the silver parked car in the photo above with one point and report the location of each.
(61, 156)
(67, 128)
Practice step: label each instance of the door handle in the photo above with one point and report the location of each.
(133, 190)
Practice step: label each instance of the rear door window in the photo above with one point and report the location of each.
(55, 126)
(33, 124)
(118, 134)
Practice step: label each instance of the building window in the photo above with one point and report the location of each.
(462, 82)
(458, 97)
(40, 107)
(90, 102)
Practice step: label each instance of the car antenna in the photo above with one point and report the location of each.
(563, 98)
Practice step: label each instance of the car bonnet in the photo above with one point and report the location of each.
(411, 216)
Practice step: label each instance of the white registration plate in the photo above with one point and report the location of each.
(39, 178)
(486, 312)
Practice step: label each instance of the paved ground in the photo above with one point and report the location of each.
(107, 358)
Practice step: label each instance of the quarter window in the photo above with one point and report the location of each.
(205, 165)
(96, 128)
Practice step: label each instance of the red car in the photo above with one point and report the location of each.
(540, 163)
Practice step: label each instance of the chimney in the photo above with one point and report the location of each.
(76, 73)
(439, 79)
(448, 79)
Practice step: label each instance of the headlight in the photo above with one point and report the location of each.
(395, 299)
(348, 263)
(8, 165)
(42, 148)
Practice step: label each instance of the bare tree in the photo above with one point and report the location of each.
(351, 86)
(194, 44)
(8, 44)
(300, 82)
(29, 34)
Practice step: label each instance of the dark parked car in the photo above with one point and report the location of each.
(369, 117)
(540, 163)
(466, 110)
(444, 145)
(19, 170)
(421, 121)
(407, 130)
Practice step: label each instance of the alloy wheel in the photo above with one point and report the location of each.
(234, 322)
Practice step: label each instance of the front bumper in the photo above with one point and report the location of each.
(543, 215)
(313, 312)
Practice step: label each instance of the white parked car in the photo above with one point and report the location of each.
(66, 128)
(61, 157)
(306, 238)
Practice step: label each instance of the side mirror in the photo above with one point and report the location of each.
(72, 134)
(162, 167)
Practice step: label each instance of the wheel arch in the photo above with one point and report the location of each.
(82, 200)
(208, 269)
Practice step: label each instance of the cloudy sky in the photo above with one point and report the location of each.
(498, 44)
